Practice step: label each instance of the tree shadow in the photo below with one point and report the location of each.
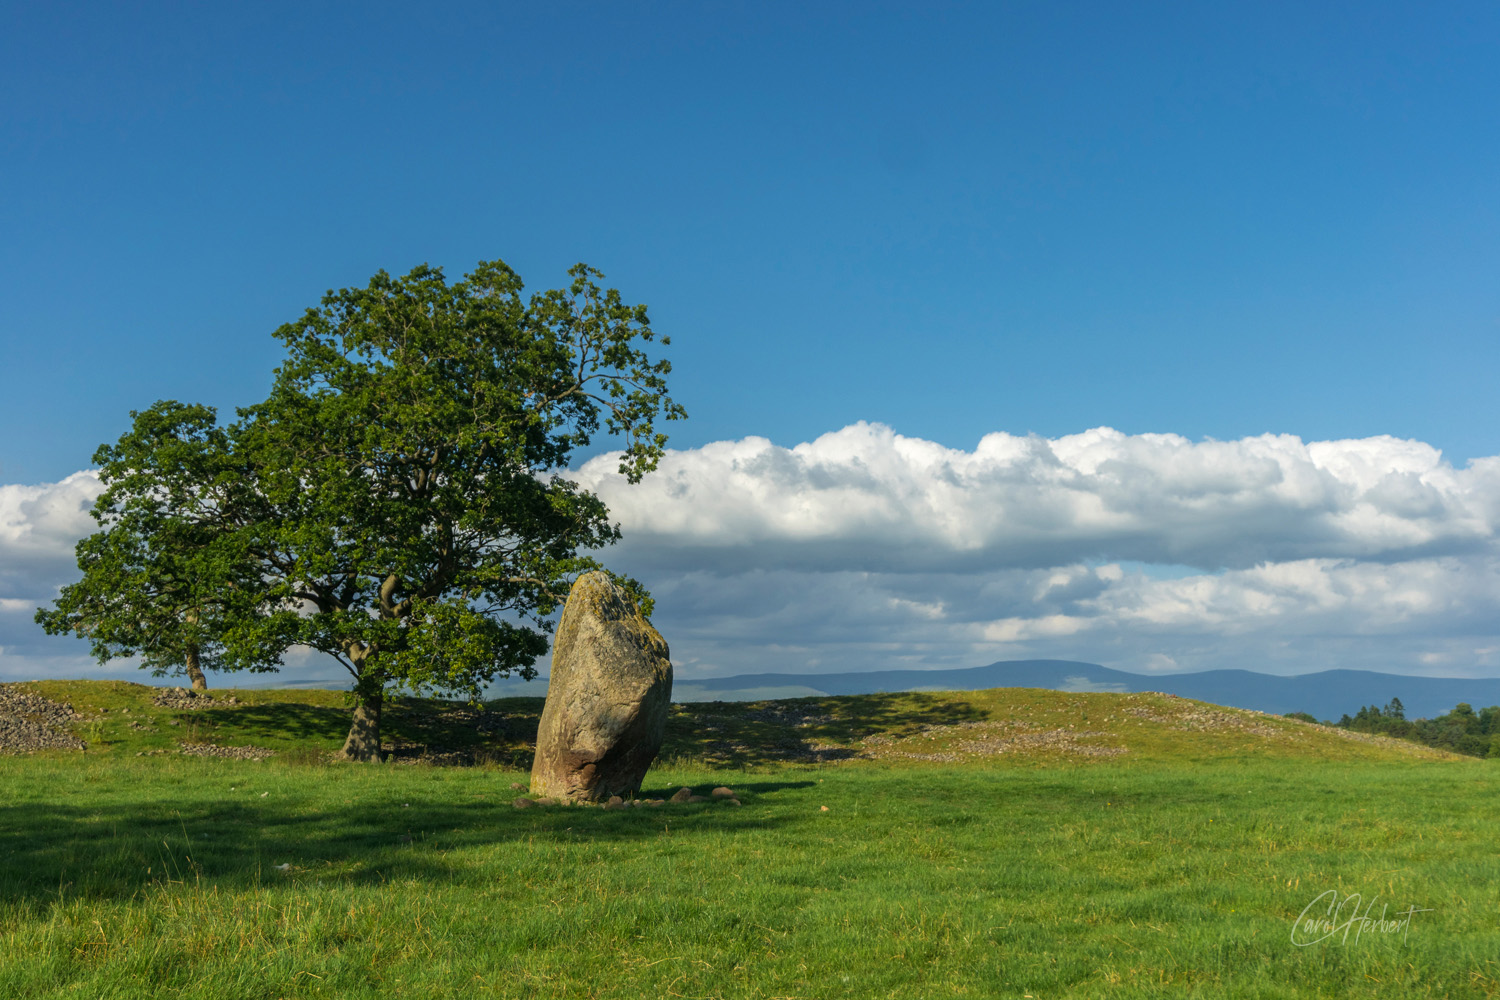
(413, 730)
(503, 731)
(296, 722)
(342, 833)
(802, 730)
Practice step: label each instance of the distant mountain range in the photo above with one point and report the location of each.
(1327, 694)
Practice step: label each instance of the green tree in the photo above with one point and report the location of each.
(169, 576)
(398, 502)
(1463, 715)
(1489, 720)
(409, 464)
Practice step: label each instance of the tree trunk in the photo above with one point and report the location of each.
(200, 683)
(363, 743)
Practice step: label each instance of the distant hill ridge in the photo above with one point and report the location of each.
(1326, 694)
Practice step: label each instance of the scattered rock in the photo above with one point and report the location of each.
(698, 798)
(734, 802)
(523, 803)
(722, 793)
(822, 808)
(653, 803)
(792, 737)
(517, 786)
(682, 794)
(607, 699)
(233, 753)
(29, 722)
(480, 718)
(187, 698)
(434, 754)
(985, 738)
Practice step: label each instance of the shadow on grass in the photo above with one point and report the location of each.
(340, 834)
(290, 721)
(746, 734)
(503, 731)
(412, 729)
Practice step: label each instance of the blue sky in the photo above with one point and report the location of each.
(1212, 221)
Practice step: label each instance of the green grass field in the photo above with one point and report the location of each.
(986, 844)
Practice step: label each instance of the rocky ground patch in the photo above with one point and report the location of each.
(186, 699)
(29, 722)
(1187, 716)
(986, 738)
(434, 754)
(230, 753)
(682, 796)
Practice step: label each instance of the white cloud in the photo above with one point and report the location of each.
(1278, 618)
(867, 498)
(39, 525)
(868, 550)
(865, 549)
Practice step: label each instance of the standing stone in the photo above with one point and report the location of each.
(607, 698)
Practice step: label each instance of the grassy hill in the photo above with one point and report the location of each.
(999, 727)
(988, 844)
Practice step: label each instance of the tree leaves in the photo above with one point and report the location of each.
(397, 501)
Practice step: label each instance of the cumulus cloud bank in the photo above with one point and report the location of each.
(865, 549)
(867, 498)
(39, 525)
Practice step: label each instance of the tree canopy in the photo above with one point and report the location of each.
(168, 577)
(1461, 730)
(399, 501)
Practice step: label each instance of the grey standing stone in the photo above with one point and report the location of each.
(607, 698)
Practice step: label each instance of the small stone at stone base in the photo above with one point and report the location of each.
(653, 803)
(518, 786)
(734, 802)
(523, 803)
(548, 801)
(615, 802)
(722, 793)
(682, 795)
(697, 798)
